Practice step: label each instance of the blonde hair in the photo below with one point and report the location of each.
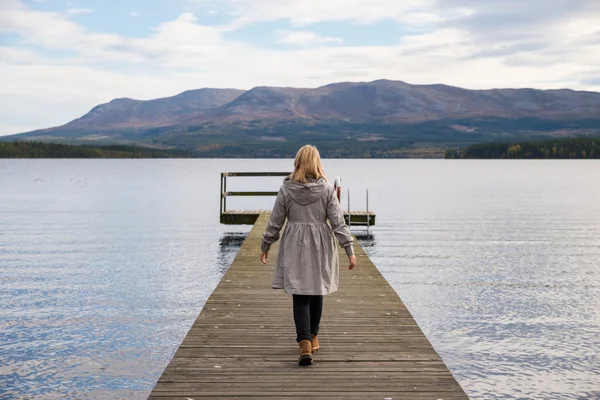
(307, 165)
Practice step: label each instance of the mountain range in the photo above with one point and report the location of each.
(375, 119)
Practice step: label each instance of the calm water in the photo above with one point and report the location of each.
(104, 265)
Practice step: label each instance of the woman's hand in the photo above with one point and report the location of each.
(264, 257)
(352, 260)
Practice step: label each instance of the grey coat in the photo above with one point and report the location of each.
(307, 262)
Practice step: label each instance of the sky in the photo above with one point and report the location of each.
(58, 59)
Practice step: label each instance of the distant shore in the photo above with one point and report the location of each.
(34, 149)
(37, 149)
(569, 148)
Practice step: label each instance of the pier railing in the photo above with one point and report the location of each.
(249, 217)
(237, 216)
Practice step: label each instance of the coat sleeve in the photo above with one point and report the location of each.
(338, 224)
(275, 223)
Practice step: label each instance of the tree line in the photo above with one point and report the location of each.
(36, 149)
(569, 148)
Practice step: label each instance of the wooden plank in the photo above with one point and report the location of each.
(372, 395)
(229, 194)
(242, 345)
(353, 213)
(249, 217)
(229, 174)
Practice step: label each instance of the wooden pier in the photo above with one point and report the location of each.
(249, 217)
(242, 345)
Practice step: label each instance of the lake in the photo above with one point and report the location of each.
(105, 264)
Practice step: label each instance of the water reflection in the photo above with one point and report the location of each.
(229, 244)
(365, 239)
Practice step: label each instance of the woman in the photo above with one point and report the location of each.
(307, 265)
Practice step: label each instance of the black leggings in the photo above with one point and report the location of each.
(307, 315)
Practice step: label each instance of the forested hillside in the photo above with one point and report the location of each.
(23, 149)
(547, 149)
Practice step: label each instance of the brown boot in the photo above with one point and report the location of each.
(314, 342)
(305, 353)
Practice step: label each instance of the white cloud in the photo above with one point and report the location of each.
(79, 11)
(181, 42)
(52, 30)
(137, 14)
(306, 12)
(14, 55)
(306, 39)
(181, 38)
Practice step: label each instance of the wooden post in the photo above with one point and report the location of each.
(349, 215)
(225, 194)
(368, 215)
(221, 197)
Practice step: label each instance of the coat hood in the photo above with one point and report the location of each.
(306, 193)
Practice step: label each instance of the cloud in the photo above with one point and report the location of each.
(137, 14)
(306, 12)
(17, 56)
(79, 11)
(306, 39)
(51, 30)
(181, 42)
(181, 39)
(515, 24)
(592, 80)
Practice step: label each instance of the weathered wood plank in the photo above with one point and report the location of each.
(249, 217)
(255, 174)
(315, 395)
(242, 344)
